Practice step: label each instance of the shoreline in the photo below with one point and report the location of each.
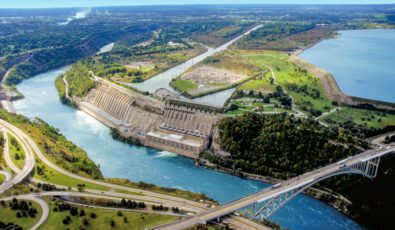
(340, 203)
(331, 87)
(315, 193)
(260, 178)
(272, 180)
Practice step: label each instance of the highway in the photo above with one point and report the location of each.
(7, 178)
(31, 149)
(20, 174)
(203, 213)
(302, 180)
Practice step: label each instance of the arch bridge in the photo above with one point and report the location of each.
(267, 201)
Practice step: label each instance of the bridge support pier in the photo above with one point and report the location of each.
(367, 168)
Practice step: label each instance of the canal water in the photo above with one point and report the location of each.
(162, 80)
(162, 168)
(362, 62)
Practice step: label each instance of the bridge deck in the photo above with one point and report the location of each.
(306, 179)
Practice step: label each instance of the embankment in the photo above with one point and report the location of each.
(334, 93)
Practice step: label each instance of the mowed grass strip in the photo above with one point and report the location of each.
(103, 219)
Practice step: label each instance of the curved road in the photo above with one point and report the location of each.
(7, 178)
(44, 206)
(378, 140)
(30, 148)
(30, 144)
(20, 174)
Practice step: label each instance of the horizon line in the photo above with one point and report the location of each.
(205, 4)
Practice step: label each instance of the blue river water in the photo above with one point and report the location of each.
(162, 168)
(362, 62)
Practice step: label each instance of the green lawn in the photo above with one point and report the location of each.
(2, 178)
(360, 116)
(262, 85)
(49, 175)
(183, 85)
(135, 220)
(9, 216)
(245, 106)
(305, 88)
(16, 151)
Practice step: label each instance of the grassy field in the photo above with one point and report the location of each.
(2, 178)
(359, 116)
(47, 174)
(9, 216)
(305, 88)
(135, 220)
(183, 85)
(261, 84)
(16, 152)
(247, 104)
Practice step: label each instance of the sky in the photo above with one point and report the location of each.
(93, 3)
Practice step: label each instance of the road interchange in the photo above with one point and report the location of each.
(204, 214)
(31, 150)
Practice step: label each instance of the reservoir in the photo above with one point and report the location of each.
(362, 62)
(162, 168)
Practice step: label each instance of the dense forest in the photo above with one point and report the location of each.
(51, 58)
(373, 202)
(281, 146)
(79, 80)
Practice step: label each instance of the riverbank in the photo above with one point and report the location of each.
(139, 163)
(329, 197)
(325, 195)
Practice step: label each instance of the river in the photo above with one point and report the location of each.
(362, 62)
(162, 168)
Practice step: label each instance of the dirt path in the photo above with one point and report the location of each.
(327, 113)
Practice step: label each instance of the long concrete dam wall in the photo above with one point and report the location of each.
(122, 106)
(177, 127)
